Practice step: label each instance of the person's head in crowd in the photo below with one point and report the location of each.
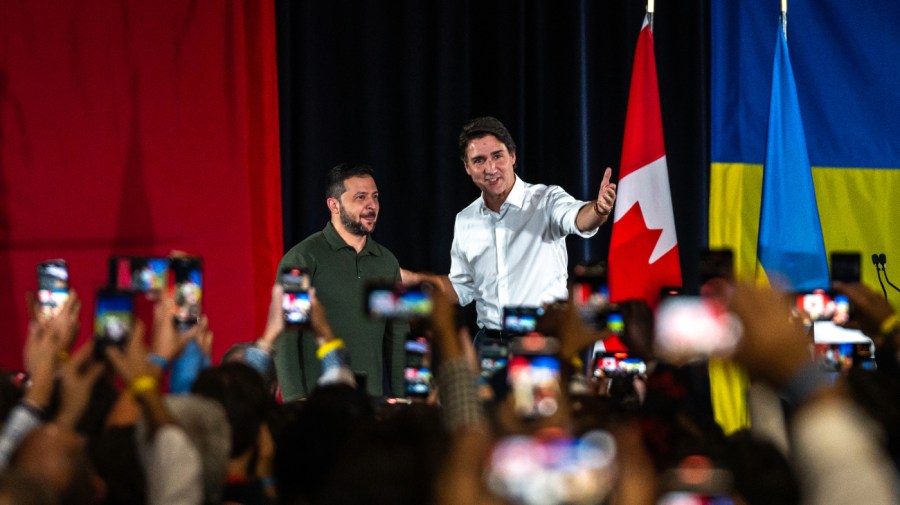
(237, 353)
(57, 457)
(241, 392)
(877, 395)
(352, 198)
(762, 474)
(114, 453)
(393, 461)
(310, 442)
(206, 425)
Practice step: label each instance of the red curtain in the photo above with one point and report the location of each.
(138, 128)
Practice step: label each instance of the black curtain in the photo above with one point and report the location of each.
(390, 83)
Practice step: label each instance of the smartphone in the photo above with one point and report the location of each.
(531, 469)
(716, 264)
(521, 320)
(397, 301)
(295, 301)
(690, 328)
(846, 267)
(53, 287)
(591, 296)
(493, 355)
(187, 273)
(139, 274)
(113, 320)
(417, 372)
(842, 356)
(822, 305)
(617, 364)
(534, 376)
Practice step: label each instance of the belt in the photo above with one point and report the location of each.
(499, 334)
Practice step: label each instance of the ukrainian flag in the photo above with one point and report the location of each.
(844, 62)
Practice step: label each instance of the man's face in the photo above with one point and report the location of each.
(358, 205)
(490, 165)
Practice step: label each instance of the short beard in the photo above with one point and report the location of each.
(354, 227)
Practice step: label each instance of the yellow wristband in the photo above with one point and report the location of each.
(143, 384)
(63, 356)
(329, 346)
(890, 324)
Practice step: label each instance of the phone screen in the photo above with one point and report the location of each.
(388, 301)
(617, 364)
(113, 319)
(842, 356)
(557, 470)
(140, 274)
(521, 319)
(53, 287)
(691, 327)
(534, 376)
(295, 301)
(591, 297)
(822, 305)
(493, 356)
(417, 373)
(188, 276)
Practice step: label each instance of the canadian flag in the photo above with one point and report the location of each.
(643, 251)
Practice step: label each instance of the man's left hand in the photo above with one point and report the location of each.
(607, 196)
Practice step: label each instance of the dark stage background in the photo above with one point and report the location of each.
(391, 83)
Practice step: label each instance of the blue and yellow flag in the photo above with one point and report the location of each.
(790, 236)
(846, 78)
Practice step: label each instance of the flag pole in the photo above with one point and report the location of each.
(783, 17)
(650, 12)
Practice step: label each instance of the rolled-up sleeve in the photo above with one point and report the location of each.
(562, 209)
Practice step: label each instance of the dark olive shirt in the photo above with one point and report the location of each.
(339, 276)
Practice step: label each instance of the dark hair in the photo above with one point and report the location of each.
(240, 390)
(482, 127)
(340, 173)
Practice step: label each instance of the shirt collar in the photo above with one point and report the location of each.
(337, 243)
(515, 197)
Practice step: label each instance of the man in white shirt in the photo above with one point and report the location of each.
(509, 245)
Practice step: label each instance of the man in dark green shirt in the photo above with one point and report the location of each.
(341, 260)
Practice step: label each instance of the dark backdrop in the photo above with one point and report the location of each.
(390, 83)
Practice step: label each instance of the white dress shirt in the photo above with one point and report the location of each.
(517, 256)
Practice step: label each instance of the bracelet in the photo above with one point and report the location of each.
(329, 346)
(159, 361)
(143, 384)
(890, 325)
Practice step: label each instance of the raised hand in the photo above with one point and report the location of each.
(606, 198)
